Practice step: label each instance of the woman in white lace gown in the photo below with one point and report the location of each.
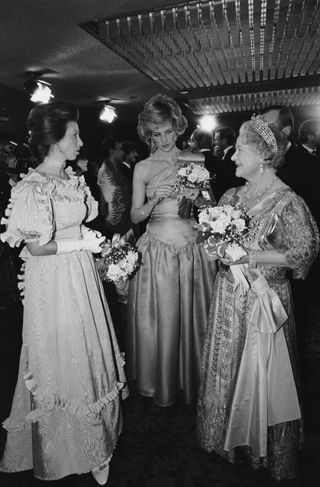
(66, 415)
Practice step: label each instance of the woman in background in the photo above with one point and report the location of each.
(65, 417)
(80, 164)
(249, 394)
(169, 296)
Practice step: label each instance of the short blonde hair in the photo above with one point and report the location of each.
(274, 158)
(158, 110)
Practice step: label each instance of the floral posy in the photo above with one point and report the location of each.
(193, 176)
(119, 260)
(222, 224)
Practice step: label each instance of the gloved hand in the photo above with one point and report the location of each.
(70, 245)
(88, 233)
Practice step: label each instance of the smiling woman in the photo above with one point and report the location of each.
(61, 424)
(249, 401)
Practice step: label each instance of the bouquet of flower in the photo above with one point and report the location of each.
(190, 177)
(223, 229)
(119, 260)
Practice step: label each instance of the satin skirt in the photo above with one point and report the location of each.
(66, 416)
(168, 306)
(248, 400)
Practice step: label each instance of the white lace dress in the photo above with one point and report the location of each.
(66, 415)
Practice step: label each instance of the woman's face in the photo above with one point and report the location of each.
(164, 137)
(247, 160)
(70, 144)
(83, 164)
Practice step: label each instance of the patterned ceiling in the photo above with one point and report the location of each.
(224, 55)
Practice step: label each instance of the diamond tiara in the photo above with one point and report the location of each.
(264, 131)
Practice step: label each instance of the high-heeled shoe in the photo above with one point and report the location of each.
(101, 476)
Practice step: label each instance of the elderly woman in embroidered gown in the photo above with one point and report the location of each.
(65, 417)
(169, 297)
(249, 393)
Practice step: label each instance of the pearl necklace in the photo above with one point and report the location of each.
(257, 196)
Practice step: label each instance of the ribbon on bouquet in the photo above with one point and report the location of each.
(235, 252)
(265, 392)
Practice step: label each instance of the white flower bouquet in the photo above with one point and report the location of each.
(119, 260)
(194, 177)
(223, 229)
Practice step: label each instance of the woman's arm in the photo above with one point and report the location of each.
(48, 249)
(139, 209)
(253, 258)
(263, 257)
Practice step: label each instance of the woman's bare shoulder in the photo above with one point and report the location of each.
(143, 167)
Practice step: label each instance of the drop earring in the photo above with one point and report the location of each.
(261, 169)
(152, 146)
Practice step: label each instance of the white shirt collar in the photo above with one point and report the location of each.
(308, 148)
(226, 150)
(126, 164)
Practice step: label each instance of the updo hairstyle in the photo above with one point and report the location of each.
(160, 109)
(47, 124)
(274, 158)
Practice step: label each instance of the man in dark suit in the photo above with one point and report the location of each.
(224, 169)
(130, 155)
(301, 170)
(309, 136)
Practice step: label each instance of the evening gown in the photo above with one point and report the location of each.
(249, 392)
(65, 417)
(168, 303)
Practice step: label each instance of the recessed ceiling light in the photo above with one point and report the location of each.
(108, 114)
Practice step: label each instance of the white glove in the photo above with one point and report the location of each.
(65, 245)
(88, 233)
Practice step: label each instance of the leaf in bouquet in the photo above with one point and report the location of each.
(202, 236)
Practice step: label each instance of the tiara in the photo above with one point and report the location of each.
(264, 131)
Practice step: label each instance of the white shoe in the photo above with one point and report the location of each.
(101, 476)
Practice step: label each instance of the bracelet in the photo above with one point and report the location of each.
(253, 260)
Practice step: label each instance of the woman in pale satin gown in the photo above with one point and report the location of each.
(249, 395)
(65, 417)
(169, 296)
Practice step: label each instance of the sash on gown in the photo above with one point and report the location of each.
(265, 392)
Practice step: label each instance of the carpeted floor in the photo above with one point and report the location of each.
(158, 447)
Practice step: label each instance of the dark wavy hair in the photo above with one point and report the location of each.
(47, 124)
(158, 110)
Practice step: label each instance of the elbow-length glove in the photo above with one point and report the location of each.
(90, 241)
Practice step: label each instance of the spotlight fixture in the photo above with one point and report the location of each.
(207, 123)
(108, 114)
(39, 90)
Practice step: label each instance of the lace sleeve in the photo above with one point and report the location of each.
(228, 197)
(29, 213)
(301, 236)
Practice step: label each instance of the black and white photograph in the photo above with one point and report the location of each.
(159, 243)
